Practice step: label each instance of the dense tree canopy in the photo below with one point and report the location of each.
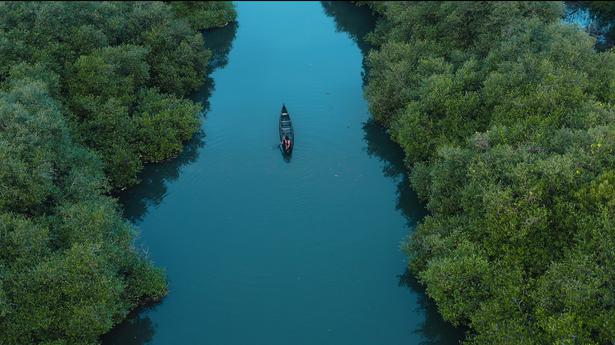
(89, 91)
(97, 58)
(507, 121)
(205, 14)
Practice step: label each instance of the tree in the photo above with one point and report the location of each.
(78, 119)
(505, 117)
(164, 122)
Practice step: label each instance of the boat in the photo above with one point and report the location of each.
(286, 131)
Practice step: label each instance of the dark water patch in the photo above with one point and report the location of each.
(151, 190)
(356, 21)
(434, 330)
(137, 329)
(380, 145)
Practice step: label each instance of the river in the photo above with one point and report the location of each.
(263, 250)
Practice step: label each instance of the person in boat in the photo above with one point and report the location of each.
(286, 143)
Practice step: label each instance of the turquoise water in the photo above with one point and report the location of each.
(263, 250)
(598, 25)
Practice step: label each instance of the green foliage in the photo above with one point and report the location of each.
(67, 265)
(177, 57)
(103, 88)
(80, 112)
(204, 14)
(71, 295)
(506, 118)
(164, 122)
(38, 154)
(96, 58)
(23, 71)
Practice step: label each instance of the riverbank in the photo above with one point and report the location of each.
(89, 92)
(504, 114)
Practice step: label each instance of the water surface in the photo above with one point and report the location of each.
(263, 250)
(594, 18)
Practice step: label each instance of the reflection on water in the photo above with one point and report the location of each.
(220, 43)
(380, 145)
(137, 329)
(150, 192)
(358, 21)
(287, 158)
(434, 331)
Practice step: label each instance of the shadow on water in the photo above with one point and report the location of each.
(152, 188)
(435, 331)
(220, 43)
(137, 329)
(358, 21)
(390, 154)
